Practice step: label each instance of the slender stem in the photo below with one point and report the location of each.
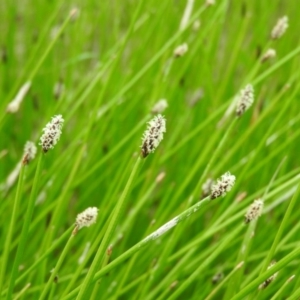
(7, 244)
(26, 225)
(97, 284)
(227, 240)
(143, 243)
(278, 293)
(280, 231)
(23, 291)
(57, 267)
(217, 288)
(261, 278)
(215, 154)
(108, 234)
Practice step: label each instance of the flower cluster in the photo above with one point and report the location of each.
(280, 28)
(52, 133)
(245, 100)
(270, 279)
(159, 106)
(14, 105)
(254, 211)
(270, 53)
(86, 218)
(153, 135)
(29, 152)
(180, 50)
(222, 186)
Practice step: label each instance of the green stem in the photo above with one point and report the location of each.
(57, 267)
(261, 278)
(108, 234)
(279, 233)
(278, 293)
(25, 228)
(7, 244)
(145, 242)
(215, 154)
(217, 288)
(205, 263)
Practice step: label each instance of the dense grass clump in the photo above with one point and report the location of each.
(148, 150)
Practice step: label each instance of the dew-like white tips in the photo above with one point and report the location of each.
(52, 133)
(159, 106)
(245, 100)
(14, 105)
(270, 53)
(254, 211)
(29, 152)
(270, 279)
(153, 135)
(181, 50)
(280, 28)
(86, 218)
(222, 186)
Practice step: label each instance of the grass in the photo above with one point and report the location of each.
(103, 66)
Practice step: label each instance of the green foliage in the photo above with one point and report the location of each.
(103, 67)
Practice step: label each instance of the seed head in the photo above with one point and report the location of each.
(159, 106)
(29, 152)
(181, 50)
(270, 279)
(52, 133)
(280, 28)
(153, 135)
(245, 100)
(222, 186)
(254, 211)
(86, 218)
(270, 53)
(14, 105)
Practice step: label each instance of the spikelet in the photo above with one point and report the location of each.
(222, 186)
(159, 106)
(245, 100)
(153, 135)
(14, 105)
(270, 279)
(86, 218)
(270, 53)
(180, 50)
(29, 152)
(254, 211)
(52, 133)
(280, 28)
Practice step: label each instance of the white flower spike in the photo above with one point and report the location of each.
(270, 279)
(86, 218)
(245, 100)
(254, 211)
(153, 135)
(222, 186)
(181, 50)
(280, 28)
(270, 53)
(14, 105)
(29, 152)
(52, 133)
(159, 106)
